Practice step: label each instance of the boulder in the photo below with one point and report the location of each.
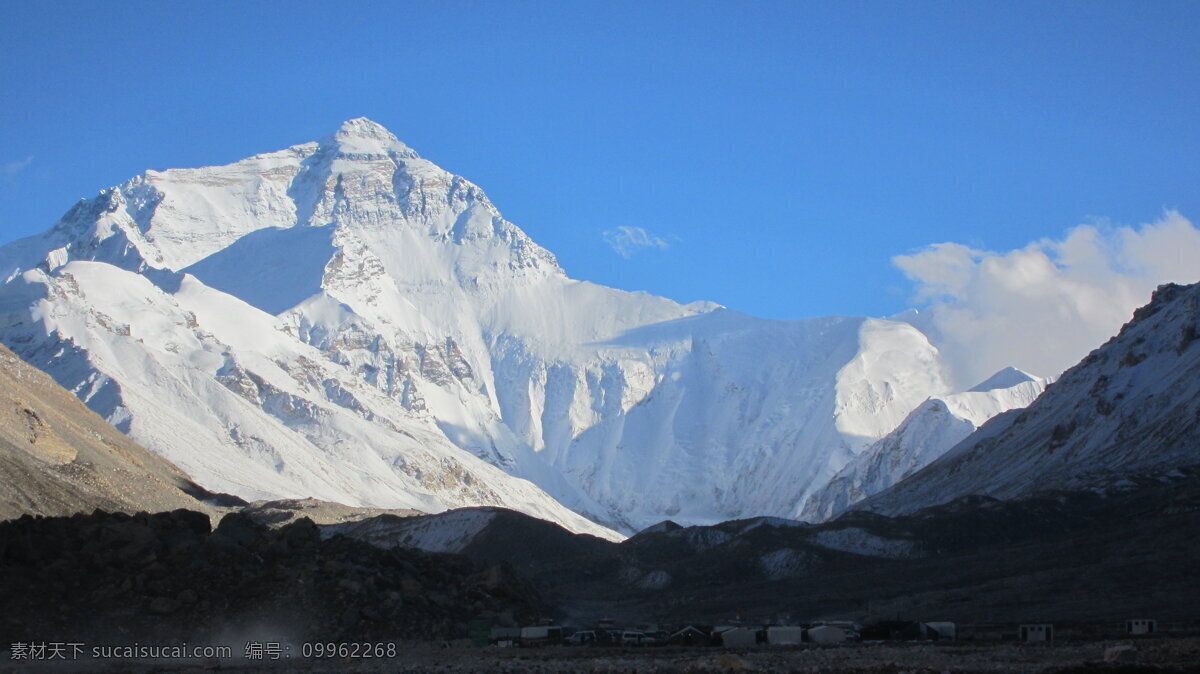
(1124, 653)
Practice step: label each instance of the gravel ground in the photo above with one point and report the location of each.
(1156, 655)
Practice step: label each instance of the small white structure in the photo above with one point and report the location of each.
(785, 635)
(1036, 634)
(739, 637)
(826, 634)
(938, 631)
(848, 626)
(1141, 626)
(536, 634)
(505, 637)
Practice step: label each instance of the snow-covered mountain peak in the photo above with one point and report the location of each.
(1006, 378)
(344, 319)
(383, 205)
(363, 137)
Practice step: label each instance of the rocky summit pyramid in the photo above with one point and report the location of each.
(345, 320)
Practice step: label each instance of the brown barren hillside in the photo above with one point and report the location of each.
(57, 457)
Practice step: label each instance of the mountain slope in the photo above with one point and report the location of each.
(272, 420)
(58, 458)
(928, 432)
(347, 321)
(1132, 405)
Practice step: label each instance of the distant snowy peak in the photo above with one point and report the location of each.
(925, 434)
(1010, 392)
(1006, 378)
(1131, 405)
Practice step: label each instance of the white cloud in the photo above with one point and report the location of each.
(1043, 307)
(12, 168)
(628, 240)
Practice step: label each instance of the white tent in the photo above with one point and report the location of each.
(785, 635)
(739, 637)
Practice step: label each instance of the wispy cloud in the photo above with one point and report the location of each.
(12, 168)
(1045, 306)
(626, 241)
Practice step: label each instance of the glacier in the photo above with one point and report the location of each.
(345, 320)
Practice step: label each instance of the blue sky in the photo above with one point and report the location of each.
(777, 155)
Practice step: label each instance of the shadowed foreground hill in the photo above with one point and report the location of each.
(169, 577)
(57, 457)
(1099, 555)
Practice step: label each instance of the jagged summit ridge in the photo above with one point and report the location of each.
(361, 136)
(360, 176)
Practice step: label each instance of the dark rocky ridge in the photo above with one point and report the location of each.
(280, 512)
(1078, 556)
(168, 577)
